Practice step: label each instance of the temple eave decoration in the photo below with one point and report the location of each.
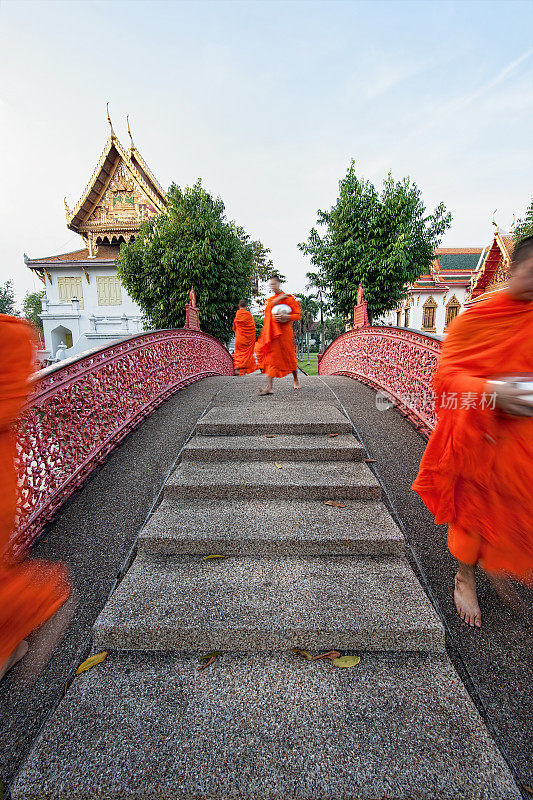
(494, 271)
(121, 194)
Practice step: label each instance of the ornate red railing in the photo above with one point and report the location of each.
(80, 410)
(397, 361)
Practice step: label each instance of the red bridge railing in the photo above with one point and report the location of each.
(80, 410)
(398, 361)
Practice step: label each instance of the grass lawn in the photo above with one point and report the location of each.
(312, 368)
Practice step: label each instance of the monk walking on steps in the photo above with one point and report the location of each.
(244, 328)
(477, 471)
(32, 592)
(276, 343)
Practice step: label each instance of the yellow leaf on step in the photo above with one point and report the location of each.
(277, 464)
(305, 653)
(332, 654)
(91, 662)
(332, 435)
(346, 661)
(209, 558)
(334, 503)
(208, 663)
(207, 656)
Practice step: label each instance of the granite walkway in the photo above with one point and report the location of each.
(261, 722)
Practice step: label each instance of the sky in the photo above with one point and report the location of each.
(267, 103)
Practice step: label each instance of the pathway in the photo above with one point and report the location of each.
(262, 722)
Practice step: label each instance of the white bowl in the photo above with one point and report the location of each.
(281, 308)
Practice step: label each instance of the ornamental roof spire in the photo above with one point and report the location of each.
(110, 123)
(132, 146)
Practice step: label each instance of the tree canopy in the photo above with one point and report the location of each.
(190, 244)
(524, 226)
(32, 306)
(7, 299)
(383, 241)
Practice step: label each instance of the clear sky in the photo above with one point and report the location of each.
(267, 102)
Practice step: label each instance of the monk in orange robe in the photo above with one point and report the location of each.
(477, 471)
(244, 327)
(276, 343)
(30, 593)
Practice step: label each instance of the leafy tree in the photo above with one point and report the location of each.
(524, 227)
(7, 299)
(31, 308)
(316, 282)
(334, 326)
(258, 319)
(190, 244)
(309, 308)
(381, 241)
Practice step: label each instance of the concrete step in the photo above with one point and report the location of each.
(260, 527)
(267, 727)
(303, 480)
(281, 418)
(172, 603)
(314, 447)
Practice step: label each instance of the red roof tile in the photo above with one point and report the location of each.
(106, 252)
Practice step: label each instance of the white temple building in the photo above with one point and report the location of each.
(85, 305)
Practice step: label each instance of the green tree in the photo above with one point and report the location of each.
(31, 308)
(524, 227)
(334, 326)
(309, 308)
(7, 299)
(316, 282)
(381, 241)
(190, 244)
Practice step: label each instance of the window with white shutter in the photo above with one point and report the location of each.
(108, 288)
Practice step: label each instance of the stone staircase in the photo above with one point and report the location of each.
(262, 723)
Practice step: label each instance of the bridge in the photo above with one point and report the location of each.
(140, 460)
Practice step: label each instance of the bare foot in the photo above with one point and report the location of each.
(506, 592)
(18, 653)
(465, 596)
(297, 385)
(265, 391)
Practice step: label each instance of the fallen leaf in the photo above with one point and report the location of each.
(271, 436)
(66, 689)
(334, 503)
(332, 435)
(209, 558)
(346, 661)
(277, 464)
(305, 653)
(370, 460)
(331, 655)
(208, 663)
(529, 789)
(91, 662)
(207, 656)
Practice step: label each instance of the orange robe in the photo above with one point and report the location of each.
(477, 470)
(243, 356)
(276, 343)
(32, 592)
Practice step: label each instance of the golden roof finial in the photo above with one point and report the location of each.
(68, 212)
(512, 223)
(131, 137)
(110, 123)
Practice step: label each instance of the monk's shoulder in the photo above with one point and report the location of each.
(17, 339)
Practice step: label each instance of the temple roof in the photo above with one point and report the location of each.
(493, 273)
(452, 266)
(105, 253)
(120, 195)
